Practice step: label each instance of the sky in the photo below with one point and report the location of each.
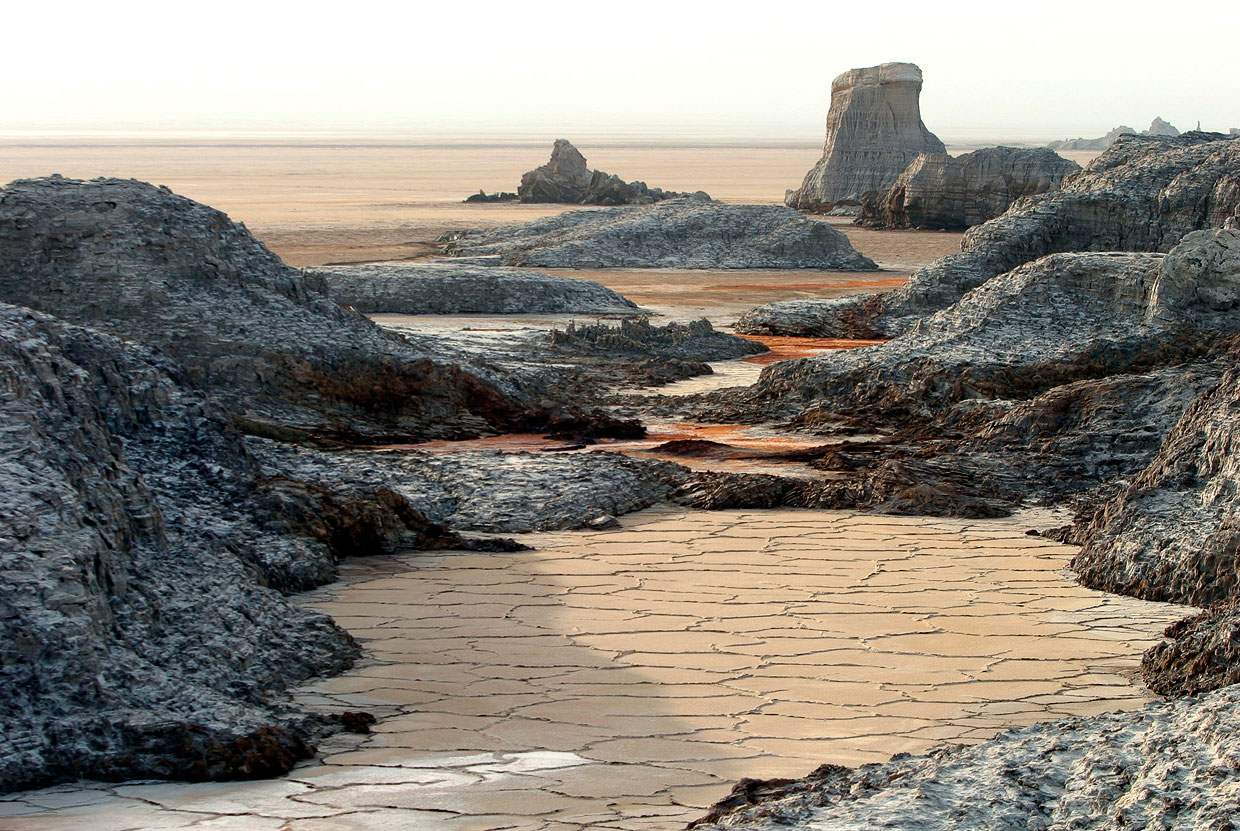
(1037, 70)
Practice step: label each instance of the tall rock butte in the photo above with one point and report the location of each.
(874, 129)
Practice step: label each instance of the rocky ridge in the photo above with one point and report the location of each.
(874, 130)
(147, 264)
(942, 192)
(446, 288)
(1144, 194)
(1158, 127)
(678, 233)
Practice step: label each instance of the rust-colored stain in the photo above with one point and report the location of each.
(784, 348)
(833, 284)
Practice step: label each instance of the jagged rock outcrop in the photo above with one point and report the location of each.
(147, 264)
(1169, 765)
(483, 196)
(1144, 194)
(942, 192)
(678, 233)
(874, 130)
(1053, 321)
(567, 178)
(142, 565)
(1158, 127)
(445, 288)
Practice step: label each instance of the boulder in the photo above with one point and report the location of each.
(874, 130)
(691, 232)
(942, 192)
(446, 288)
(567, 178)
(1144, 194)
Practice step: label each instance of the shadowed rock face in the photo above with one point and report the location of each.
(1144, 194)
(140, 261)
(941, 192)
(451, 288)
(567, 178)
(142, 567)
(874, 129)
(679, 233)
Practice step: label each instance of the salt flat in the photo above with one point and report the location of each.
(626, 678)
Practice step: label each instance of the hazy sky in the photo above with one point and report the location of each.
(1036, 69)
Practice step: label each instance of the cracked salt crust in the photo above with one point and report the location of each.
(625, 679)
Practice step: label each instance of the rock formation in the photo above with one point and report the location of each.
(941, 192)
(1168, 765)
(446, 288)
(1144, 194)
(1157, 127)
(142, 568)
(147, 264)
(483, 196)
(567, 178)
(680, 233)
(874, 130)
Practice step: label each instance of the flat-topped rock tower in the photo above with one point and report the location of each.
(874, 129)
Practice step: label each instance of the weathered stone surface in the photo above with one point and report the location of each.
(445, 288)
(874, 130)
(1169, 765)
(942, 192)
(679, 233)
(142, 561)
(1202, 653)
(1144, 194)
(567, 178)
(1056, 320)
(147, 264)
(492, 491)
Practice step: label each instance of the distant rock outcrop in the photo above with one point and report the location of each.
(1157, 127)
(941, 192)
(446, 288)
(1169, 765)
(1144, 194)
(680, 233)
(874, 130)
(568, 179)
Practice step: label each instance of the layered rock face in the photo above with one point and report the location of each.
(567, 178)
(941, 192)
(451, 289)
(1168, 765)
(147, 264)
(1143, 194)
(874, 130)
(679, 233)
(144, 632)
